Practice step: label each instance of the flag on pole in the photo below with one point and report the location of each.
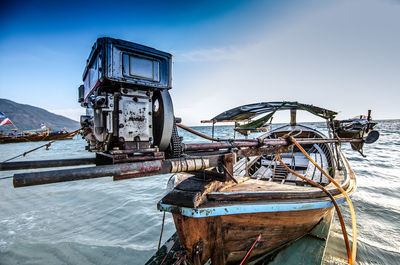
(4, 120)
(43, 126)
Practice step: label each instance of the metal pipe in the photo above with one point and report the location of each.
(327, 140)
(187, 147)
(46, 163)
(119, 171)
(267, 142)
(45, 177)
(219, 145)
(195, 132)
(147, 168)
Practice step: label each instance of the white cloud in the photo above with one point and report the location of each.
(73, 114)
(344, 57)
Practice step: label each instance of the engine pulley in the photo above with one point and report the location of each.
(163, 119)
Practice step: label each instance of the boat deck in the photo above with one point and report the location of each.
(199, 195)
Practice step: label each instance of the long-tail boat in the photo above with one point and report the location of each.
(241, 198)
(36, 136)
(266, 202)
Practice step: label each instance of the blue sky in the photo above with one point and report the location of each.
(342, 55)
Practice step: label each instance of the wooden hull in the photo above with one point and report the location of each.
(37, 137)
(226, 239)
(220, 221)
(309, 249)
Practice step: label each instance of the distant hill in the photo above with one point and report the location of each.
(27, 117)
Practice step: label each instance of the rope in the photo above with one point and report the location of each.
(27, 152)
(6, 178)
(162, 262)
(248, 252)
(353, 215)
(162, 229)
(196, 133)
(346, 239)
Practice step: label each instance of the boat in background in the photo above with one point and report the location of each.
(36, 135)
(42, 134)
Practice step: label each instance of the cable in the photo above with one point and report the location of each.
(353, 214)
(346, 239)
(196, 133)
(162, 262)
(27, 152)
(162, 229)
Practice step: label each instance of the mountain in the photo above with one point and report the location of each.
(27, 117)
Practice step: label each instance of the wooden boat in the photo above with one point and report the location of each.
(38, 136)
(309, 249)
(218, 222)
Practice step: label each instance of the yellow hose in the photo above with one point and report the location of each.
(342, 224)
(353, 214)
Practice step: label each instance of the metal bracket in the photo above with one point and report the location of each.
(126, 156)
(197, 252)
(227, 164)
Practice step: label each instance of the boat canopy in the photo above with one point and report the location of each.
(247, 112)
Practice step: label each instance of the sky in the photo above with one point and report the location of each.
(343, 55)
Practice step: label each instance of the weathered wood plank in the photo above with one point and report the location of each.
(192, 184)
(183, 198)
(226, 234)
(239, 169)
(192, 191)
(309, 249)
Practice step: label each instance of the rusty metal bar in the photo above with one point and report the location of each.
(148, 168)
(196, 133)
(214, 121)
(219, 145)
(327, 140)
(119, 171)
(45, 177)
(46, 163)
(266, 142)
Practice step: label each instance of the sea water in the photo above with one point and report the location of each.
(100, 221)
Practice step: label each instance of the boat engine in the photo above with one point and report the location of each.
(360, 127)
(129, 111)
